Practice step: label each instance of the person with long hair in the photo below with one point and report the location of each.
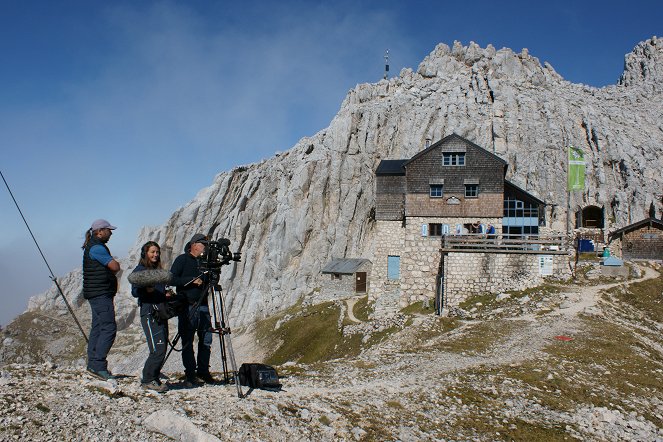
(156, 332)
(99, 288)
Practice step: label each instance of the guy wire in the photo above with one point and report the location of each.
(44, 258)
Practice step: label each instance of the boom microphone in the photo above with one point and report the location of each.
(150, 277)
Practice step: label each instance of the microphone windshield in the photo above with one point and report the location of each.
(150, 277)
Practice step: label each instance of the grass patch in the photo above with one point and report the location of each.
(441, 326)
(363, 309)
(306, 335)
(485, 418)
(589, 257)
(478, 338)
(646, 296)
(628, 360)
(542, 290)
(604, 365)
(419, 308)
(34, 333)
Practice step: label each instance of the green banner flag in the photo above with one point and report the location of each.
(576, 169)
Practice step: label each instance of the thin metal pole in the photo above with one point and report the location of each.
(45, 261)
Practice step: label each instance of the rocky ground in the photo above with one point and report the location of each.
(579, 361)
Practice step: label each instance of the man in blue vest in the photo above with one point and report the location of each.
(99, 288)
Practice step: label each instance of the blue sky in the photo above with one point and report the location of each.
(123, 110)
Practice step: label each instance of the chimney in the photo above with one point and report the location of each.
(427, 143)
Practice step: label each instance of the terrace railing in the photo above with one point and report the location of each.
(503, 243)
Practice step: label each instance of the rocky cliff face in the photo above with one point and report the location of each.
(291, 214)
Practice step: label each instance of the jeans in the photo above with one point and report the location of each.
(102, 331)
(195, 321)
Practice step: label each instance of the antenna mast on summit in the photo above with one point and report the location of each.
(386, 64)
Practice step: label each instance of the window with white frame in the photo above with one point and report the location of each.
(453, 158)
(471, 190)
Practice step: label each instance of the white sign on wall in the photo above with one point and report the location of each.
(545, 265)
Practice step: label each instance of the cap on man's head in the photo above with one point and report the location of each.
(198, 237)
(101, 224)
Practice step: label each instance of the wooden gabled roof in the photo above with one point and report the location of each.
(645, 222)
(456, 137)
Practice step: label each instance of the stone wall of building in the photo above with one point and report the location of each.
(335, 287)
(465, 274)
(389, 240)
(469, 274)
(341, 286)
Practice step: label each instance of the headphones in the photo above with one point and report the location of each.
(146, 247)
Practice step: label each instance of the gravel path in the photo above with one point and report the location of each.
(414, 386)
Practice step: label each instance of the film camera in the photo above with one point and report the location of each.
(218, 254)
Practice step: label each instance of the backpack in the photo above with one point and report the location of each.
(261, 376)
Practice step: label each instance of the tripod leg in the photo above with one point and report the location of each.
(225, 341)
(218, 328)
(172, 347)
(233, 365)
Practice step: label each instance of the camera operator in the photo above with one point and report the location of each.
(190, 281)
(156, 332)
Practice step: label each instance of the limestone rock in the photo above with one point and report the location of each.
(291, 214)
(176, 427)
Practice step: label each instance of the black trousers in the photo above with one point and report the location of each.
(196, 321)
(156, 334)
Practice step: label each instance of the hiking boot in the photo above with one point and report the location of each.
(104, 375)
(154, 386)
(192, 382)
(189, 384)
(207, 378)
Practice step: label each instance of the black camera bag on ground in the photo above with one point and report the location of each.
(259, 376)
(163, 311)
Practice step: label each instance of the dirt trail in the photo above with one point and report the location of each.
(588, 296)
(527, 336)
(351, 304)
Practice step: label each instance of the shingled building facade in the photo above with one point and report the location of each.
(453, 187)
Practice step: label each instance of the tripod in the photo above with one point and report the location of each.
(218, 326)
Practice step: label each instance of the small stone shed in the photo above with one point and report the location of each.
(344, 278)
(641, 240)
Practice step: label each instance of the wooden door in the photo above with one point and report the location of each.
(360, 286)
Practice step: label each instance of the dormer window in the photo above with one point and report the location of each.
(453, 159)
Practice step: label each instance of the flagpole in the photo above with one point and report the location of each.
(568, 190)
